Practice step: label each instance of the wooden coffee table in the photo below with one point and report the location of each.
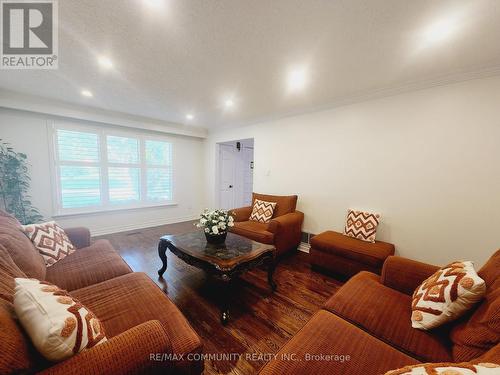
(224, 262)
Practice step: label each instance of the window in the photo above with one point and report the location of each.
(158, 170)
(123, 169)
(98, 171)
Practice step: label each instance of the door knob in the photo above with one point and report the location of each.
(230, 186)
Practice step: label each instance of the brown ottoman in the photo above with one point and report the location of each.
(347, 256)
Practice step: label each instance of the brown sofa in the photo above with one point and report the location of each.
(284, 231)
(138, 317)
(366, 324)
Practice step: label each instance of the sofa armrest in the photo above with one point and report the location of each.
(404, 274)
(241, 214)
(80, 237)
(130, 352)
(280, 223)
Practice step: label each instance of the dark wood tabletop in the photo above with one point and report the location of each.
(233, 252)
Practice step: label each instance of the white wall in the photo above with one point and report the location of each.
(428, 161)
(27, 132)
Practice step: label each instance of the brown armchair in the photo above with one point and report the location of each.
(283, 231)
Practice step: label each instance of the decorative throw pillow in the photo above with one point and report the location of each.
(59, 326)
(50, 240)
(262, 211)
(361, 225)
(446, 295)
(465, 368)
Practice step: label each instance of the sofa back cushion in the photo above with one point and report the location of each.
(17, 353)
(20, 248)
(285, 204)
(478, 334)
(8, 272)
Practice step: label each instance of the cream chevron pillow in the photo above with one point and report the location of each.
(446, 295)
(262, 211)
(361, 225)
(59, 325)
(448, 369)
(50, 240)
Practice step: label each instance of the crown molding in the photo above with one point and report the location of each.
(374, 95)
(29, 103)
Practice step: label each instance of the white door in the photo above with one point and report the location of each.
(227, 166)
(247, 176)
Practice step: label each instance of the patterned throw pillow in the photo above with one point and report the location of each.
(50, 240)
(59, 326)
(446, 295)
(361, 225)
(465, 368)
(262, 211)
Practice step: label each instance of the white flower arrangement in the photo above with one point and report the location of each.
(215, 222)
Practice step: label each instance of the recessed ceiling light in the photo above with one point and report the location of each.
(154, 3)
(189, 116)
(440, 30)
(297, 78)
(87, 93)
(229, 103)
(105, 62)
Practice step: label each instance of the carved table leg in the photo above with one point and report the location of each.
(270, 272)
(225, 296)
(162, 249)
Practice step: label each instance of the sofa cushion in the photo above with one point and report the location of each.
(284, 203)
(313, 349)
(254, 230)
(90, 265)
(59, 326)
(369, 253)
(132, 299)
(385, 313)
(446, 295)
(492, 355)
(20, 248)
(481, 332)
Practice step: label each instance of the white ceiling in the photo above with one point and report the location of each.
(189, 55)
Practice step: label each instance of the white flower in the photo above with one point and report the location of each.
(222, 218)
(222, 226)
(230, 224)
(215, 230)
(231, 219)
(207, 230)
(203, 221)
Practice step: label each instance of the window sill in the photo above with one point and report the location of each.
(111, 210)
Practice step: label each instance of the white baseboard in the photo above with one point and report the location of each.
(304, 247)
(143, 224)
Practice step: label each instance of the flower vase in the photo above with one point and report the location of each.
(216, 239)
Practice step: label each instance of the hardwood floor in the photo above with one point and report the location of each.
(261, 321)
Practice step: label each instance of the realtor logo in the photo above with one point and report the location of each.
(29, 34)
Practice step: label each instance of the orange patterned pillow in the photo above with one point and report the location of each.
(361, 225)
(446, 295)
(465, 368)
(262, 211)
(50, 240)
(59, 325)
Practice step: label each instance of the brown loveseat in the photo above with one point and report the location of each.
(365, 327)
(139, 320)
(284, 231)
